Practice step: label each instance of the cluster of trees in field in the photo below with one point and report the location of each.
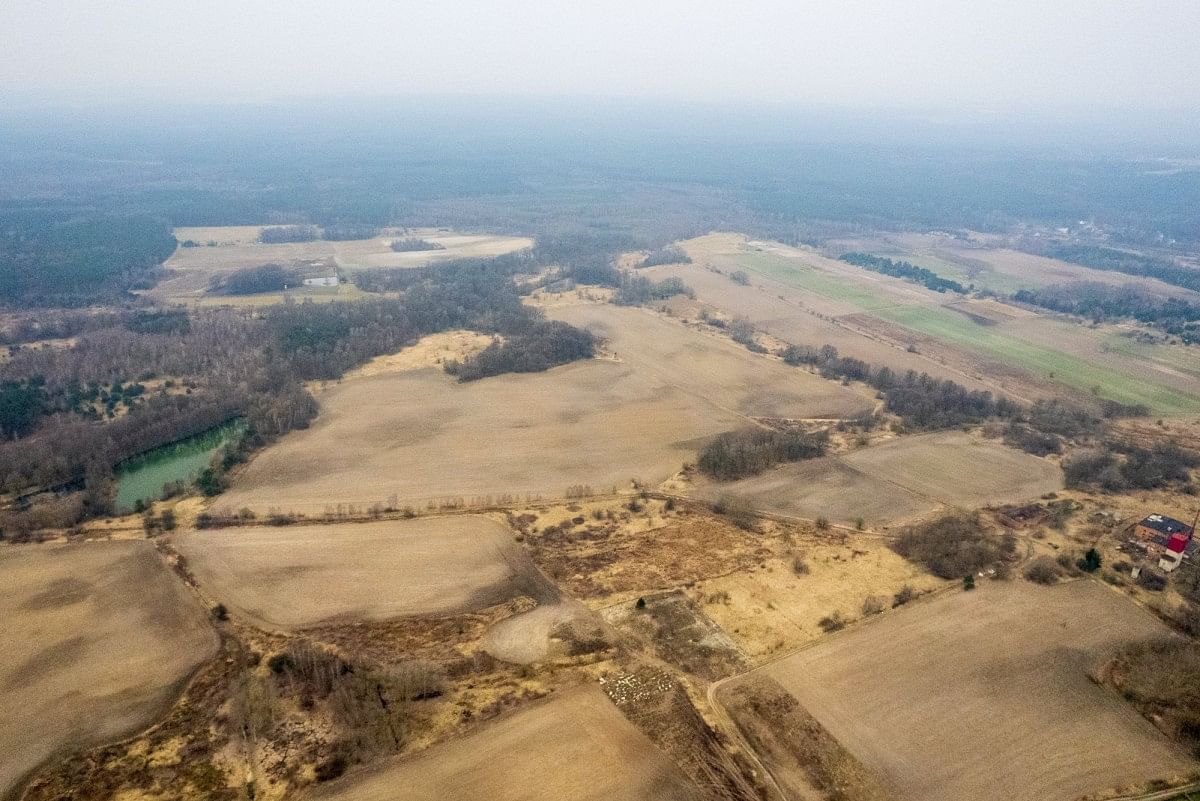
(671, 254)
(411, 243)
(539, 347)
(956, 545)
(905, 270)
(920, 399)
(1099, 257)
(1115, 466)
(1099, 301)
(281, 234)
(61, 258)
(750, 451)
(637, 290)
(253, 280)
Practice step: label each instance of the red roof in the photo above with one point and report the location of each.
(1178, 542)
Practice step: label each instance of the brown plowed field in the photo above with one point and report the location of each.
(986, 695)
(308, 575)
(575, 746)
(97, 638)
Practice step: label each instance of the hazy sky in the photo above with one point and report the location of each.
(1003, 53)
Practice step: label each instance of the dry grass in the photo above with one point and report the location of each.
(774, 608)
(96, 640)
(575, 745)
(946, 698)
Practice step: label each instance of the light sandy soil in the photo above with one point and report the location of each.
(530, 637)
(297, 576)
(575, 745)
(191, 270)
(986, 695)
(895, 480)
(420, 436)
(433, 350)
(96, 641)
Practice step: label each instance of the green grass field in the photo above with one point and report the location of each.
(955, 329)
(1042, 361)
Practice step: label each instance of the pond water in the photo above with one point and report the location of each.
(144, 477)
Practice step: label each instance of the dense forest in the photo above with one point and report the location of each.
(60, 258)
(1099, 302)
(903, 269)
(1113, 260)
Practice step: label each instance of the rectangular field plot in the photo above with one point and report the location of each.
(575, 746)
(896, 480)
(306, 575)
(986, 695)
(97, 639)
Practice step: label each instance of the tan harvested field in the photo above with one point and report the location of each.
(420, 436)
(308, 575)
(96, 641)
(191, 270)
(575, 745)
(959, 469)
(986, 695)
(827, 487)
(895, 480)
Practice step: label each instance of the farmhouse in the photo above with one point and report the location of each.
(323, 280)
(1165, 536)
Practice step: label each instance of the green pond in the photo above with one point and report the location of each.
(144, 477)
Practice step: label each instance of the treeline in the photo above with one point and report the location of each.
(1099, 301)
(253, 280)
(905, 270)
(411, 244)
(1113, 260)
(336, 232)
(70, 259)
(544, 345)
(920, 399)
(671, 254)
(748, 452)
(281, 234)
